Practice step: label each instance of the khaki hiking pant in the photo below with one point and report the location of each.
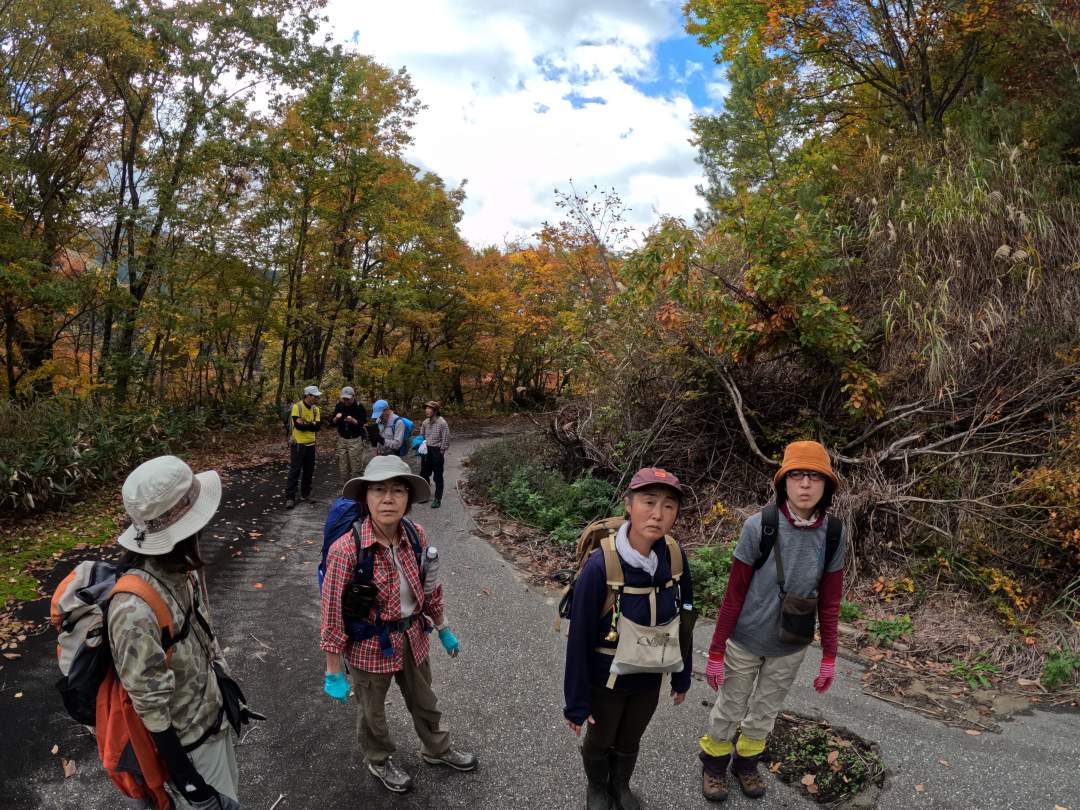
(351, 457)
(372, 731)
(753, 693)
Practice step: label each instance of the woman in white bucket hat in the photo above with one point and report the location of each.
(184, 698)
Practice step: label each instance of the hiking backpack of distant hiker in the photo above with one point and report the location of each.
(91, 691)
(286, 419)
(405, 443)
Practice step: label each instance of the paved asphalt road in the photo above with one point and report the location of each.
(501, 697)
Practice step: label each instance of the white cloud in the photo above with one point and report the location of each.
(508, 87)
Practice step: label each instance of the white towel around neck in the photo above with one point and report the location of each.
(630, 556)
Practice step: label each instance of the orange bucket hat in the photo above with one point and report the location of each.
(806, 456)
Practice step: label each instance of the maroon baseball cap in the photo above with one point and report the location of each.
(655, 476)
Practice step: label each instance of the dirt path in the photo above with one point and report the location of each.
(502, 698)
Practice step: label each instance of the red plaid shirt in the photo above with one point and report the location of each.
(340, 564)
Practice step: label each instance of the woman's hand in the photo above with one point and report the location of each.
(449, 641)
(826, 673)
(678, 697)
(714, 672)
(574, 727)
(336, 685)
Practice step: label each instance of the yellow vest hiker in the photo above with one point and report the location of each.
(307, 415)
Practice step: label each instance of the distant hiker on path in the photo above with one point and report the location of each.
(350, 419)
(393, 429)
(182, 696)
(305, 418)
(436, 435)
(380, 598)
(788, 565)
(624, 639)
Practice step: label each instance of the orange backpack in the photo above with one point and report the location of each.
(90, 688)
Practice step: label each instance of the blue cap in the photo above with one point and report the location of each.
(379, 406)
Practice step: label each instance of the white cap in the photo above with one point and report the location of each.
(347, 392)
(313, 391)
(167, 504)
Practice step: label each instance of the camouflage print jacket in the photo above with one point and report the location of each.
(183, 692)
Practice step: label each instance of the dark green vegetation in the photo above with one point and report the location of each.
(511, 473)
(54, 451)
(830, 764)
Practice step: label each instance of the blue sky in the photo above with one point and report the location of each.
(521, 98)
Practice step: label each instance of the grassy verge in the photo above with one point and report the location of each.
(29, 545)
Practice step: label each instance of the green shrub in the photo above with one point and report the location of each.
(849, 611)
(709, 569)
(886, 631)
(1059, 668)
(976, 671)
(524, 489)
(56, 450)
(493, 466)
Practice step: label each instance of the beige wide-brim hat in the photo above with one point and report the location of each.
(383, 468)
(167, 504)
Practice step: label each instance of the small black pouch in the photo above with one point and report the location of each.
(357, 600)
(798, 614)
(237, 712)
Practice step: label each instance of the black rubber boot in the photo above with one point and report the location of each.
(622, 768)
(598, 772)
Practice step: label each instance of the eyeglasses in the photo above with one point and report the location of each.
(799, 475)
(393, 490)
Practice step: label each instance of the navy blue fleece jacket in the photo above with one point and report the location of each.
(585, 667)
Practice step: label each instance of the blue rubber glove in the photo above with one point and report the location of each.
(449, 641)
(336, 685)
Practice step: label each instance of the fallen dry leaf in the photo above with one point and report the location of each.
(258, 586)
(18, 695)
(945, 762)
(55, 750)
(774, 768)
(12, 656)
(811, 789)
(920, 788)
(808, 779)
(832, 757)
(971, 732)
(69, 768)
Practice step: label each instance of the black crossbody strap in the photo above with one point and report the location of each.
(770, 525)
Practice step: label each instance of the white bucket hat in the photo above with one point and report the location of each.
(167, 504)
(383, 468)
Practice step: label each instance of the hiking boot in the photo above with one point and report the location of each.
(458, 760)
(746, 774)
(435, 504)
(289, 503)
(598, 773)
(393, 778)
(622, 768)
(714, 779)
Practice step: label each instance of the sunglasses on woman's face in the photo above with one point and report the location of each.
(799, 475)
